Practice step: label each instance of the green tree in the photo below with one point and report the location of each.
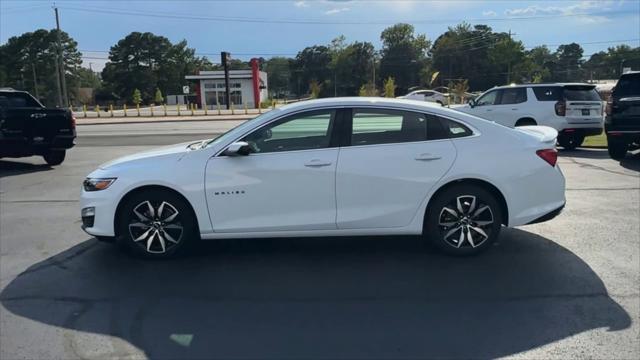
(136, 97)
(403, 55)
(569, 61)
(314, 89)
(352, 66)
(158, 99)
(29, 62)
(146, 61)
(313, 63)
(390, 88)
(278, 76)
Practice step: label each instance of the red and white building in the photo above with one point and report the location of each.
(246, 87)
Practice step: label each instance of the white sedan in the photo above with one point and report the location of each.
(426, 95)
(332, 167)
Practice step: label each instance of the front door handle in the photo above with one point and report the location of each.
(317, 163)
(427, 157)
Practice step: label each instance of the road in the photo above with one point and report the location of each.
(568, 288)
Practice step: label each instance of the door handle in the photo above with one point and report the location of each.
(317, 163)
(427, 157)
(488, 109)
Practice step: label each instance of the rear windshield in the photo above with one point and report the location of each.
(17, 100)
(581, 93)
(628, 85)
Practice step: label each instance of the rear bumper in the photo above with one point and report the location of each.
(548, 216)
(22, 146)
(589, 131)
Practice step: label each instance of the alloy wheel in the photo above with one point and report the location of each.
(155, 226)
(465, 222)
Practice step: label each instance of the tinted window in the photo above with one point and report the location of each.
(488, 98)
(513, 96)
(581, 93)
(17, 100)
(310, 130)
(547, 93)
(628, 85)
(382, 126)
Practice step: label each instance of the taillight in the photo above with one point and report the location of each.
(608, 108)
(549, 155)
(561, 108)
(73, 121)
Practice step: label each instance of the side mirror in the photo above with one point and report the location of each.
(238, 148)
(471, 102)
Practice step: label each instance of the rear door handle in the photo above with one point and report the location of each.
(317, 163)
(427, 157)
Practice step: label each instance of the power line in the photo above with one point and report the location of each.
(238, 19)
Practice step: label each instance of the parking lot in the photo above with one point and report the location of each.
(567, 288)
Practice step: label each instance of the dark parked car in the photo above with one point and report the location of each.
(27, 128)
(622, 122)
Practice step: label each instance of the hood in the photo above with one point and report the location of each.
(177, 149)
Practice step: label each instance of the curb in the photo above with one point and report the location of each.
(115, 121)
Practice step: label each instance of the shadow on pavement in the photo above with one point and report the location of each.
(383, 297)
(11, 168)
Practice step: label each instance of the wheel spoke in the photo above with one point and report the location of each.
(150, 240)
(169, 237)
(483, 223)
(452, 231)
(448, 223)
(152, 212)
(162, 243)
(479, 231)
(470, 238)
(461, 239)
(143, 236)
(139, 215)
(160, 210)
(450, 211)
(171, 217)
(139, 225)
(479, 211)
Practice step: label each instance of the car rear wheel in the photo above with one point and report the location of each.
(54, 157)
(570, 142)
(156, 224)
(617, 148)
(463, 220)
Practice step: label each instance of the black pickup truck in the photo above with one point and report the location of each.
(622, 122)
(27, 128)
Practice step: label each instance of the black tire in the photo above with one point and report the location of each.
(570, 142)
(54, 157)
(617, 148)
(170, 229)
(444, 230)
(526, 122)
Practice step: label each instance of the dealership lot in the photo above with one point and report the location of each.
(563, 289)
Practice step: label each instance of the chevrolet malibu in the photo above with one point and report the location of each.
(332, 167)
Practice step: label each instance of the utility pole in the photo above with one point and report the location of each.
(35, 81)
(225, 57)
(63, 82)
(509, 61)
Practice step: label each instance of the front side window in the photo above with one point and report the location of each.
(383, 126)
(305, 131)
(513, 96)
(488, 98)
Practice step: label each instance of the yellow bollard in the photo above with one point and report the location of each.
(124, 107)
(205, 110)
(178, 109)
(84, 109)
(233, 112)
(98, 110)
(218, 105)
(273, 104)
(111, 109)
(260, 108)
(246, 111)
(193, 107)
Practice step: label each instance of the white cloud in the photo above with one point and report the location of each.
(301, 4)
(336, 10)
(489, 13)
(575, 8)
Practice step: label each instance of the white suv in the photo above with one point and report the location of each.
(575, 110)
(426, 95)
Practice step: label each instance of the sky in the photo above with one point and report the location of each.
(283, 27)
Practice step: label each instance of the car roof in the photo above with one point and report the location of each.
(367, 102)
(542, 85)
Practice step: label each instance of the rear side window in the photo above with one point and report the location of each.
(384, 126)
(17, 100)
(513, 96)
(628, 85)
(581, 93)
(547, 93)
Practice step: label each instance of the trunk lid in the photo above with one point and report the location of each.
(583, 104)
(545, 134)
(38, 125)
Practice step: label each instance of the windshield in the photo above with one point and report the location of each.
(581, 93)
(239, 129)
(628, 85)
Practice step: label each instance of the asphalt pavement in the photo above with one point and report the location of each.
(568, 288)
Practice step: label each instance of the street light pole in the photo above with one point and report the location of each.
(63, 82)
(225, 64)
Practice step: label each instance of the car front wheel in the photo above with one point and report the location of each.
(156, 224)
(463, 220)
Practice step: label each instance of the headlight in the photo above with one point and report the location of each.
(90, 184)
